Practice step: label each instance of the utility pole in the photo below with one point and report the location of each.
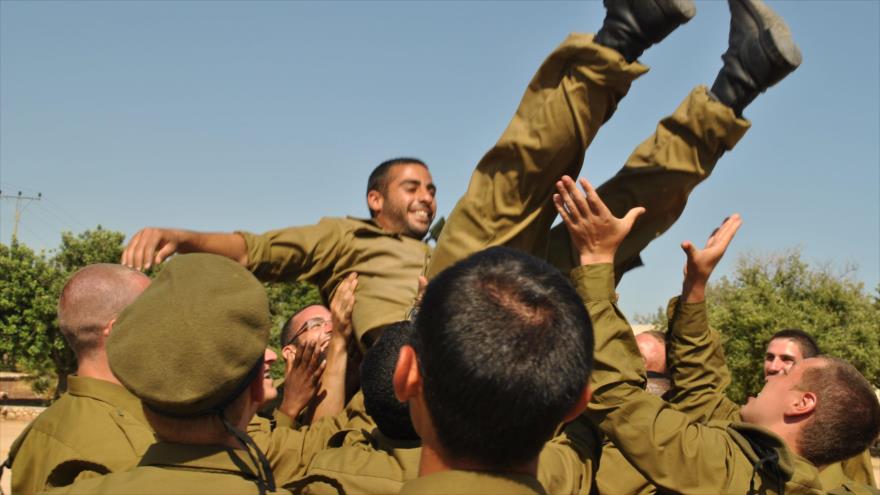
(20, 201)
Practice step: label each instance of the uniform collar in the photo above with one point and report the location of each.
(369, 226)
(199, 457)
(108, 392)
(473, 482)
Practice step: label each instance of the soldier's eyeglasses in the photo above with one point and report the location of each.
(308, 325)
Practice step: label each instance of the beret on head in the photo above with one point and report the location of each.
(186, 346)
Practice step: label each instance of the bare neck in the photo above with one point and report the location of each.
(96, 367)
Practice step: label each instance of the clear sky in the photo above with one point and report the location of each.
(257, 115)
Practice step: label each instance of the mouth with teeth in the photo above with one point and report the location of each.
(421, 215)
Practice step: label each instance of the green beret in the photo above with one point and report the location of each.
(189, 344)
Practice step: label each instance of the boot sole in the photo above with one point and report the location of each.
(775, 37)
(782, 47)
(685, 10)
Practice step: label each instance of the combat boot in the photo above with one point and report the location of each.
(631, 26)
(761, 53)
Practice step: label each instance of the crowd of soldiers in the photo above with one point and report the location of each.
(496, 362)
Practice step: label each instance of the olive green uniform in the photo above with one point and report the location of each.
(94, 428)
(665, 445)
(508, 200)
(363, 460)
(290, 449)
(700, 377)
(473, 483)
(174, 468)
(388, 265)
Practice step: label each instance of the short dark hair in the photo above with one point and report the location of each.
(377, 381)
(505, 349)
(378, 180)
(847, 416)
(805, 342)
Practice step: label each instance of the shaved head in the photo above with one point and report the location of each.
(92, 298)
(652, 345)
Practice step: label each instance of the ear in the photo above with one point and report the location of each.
(106, 331)
(580, 406)
(407, 378)
(375, 201)
(289, 352)
(804, 405)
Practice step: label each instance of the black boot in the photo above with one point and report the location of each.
(760, 54)
(631, 26)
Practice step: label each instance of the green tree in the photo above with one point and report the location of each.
(28, 298)
(86, 248)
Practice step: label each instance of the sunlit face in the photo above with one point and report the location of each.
(409, 203)
(312, 324)
(779, 393)
(782, 353)
(269, 390)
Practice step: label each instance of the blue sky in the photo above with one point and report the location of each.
(257, 115)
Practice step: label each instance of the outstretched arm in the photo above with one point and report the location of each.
(656, 439)
(150, 246)
(696, 357)
(331, 398)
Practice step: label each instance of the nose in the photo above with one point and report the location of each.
(426, 196)
(269, 356)
(775, 366)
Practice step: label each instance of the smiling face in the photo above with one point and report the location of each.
(408, 203)
(781, 355)
(312, 324)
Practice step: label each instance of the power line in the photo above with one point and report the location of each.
(20, 201)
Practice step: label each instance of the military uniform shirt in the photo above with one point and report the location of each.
(97, 427)
(388, 265)
(473, 483)
(173, 468)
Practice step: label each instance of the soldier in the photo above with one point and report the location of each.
(502, 344)
(192, 348)
(701, 376)
(381, 456)
(507, 202)
(787, 347)
(97, 426)
(820, 413)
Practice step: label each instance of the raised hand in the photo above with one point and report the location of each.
(595, 232)
(342, 305)
(150, 246)
(302, 377)
(701, 262)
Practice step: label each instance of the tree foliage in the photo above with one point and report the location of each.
(28, 297)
